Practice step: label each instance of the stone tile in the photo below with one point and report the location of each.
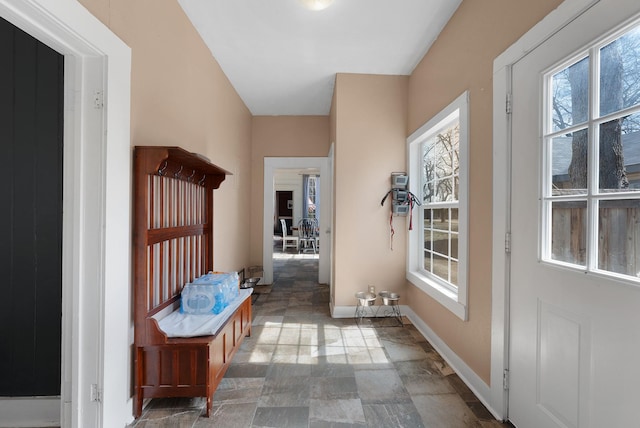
(290, 391)
(426, 384)
(334, 412)
(246, 370)
(332, 370)
(332, 388)
(461, 388)
(403, 352)
(267, 320)
(167, 418)
(288, 370)
(291, 354)
(445, 410)
(238, 390)
(365, 357)
(259, 354)
(281, 417)
(415, 368)
(228, 416)
(381, 386)
(397, 415)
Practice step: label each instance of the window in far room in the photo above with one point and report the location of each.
(438, 171)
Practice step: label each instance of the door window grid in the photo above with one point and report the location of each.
(591, 204)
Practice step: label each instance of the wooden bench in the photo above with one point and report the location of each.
(173, 245)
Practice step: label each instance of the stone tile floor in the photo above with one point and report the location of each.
(301, 368)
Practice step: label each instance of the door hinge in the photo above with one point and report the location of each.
(507, 242)
(98, 99)
(505, 379)
(508, 103)
(96, 393)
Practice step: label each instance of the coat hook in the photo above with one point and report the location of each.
(163, 168)
(177, 174)
(190, 178)
(201, 182)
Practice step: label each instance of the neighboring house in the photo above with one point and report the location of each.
(561, 154)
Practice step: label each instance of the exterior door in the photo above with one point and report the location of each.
(574, 337)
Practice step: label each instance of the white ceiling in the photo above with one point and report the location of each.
(282, 58)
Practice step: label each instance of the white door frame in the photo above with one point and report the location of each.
(271, 164)
(502, 65)
(96, 187)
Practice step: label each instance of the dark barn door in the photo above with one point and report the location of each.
(31, 129)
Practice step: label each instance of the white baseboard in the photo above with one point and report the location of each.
(29, 412)
(468, 376)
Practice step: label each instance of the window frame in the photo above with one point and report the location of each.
(443, 292)
(594, 195)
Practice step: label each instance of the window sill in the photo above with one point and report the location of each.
(442, 295)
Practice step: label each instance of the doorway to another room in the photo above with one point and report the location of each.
(294, 195)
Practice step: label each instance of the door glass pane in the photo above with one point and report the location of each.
(569, 156)
(619, 237)
(570, 95)
(620, 154)
(620, 73)
(569, 232)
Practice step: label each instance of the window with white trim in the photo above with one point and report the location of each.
(438, 176)
(591, 167)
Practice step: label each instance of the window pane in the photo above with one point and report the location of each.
(454, 245)
(454, 272)
(443, 191)
(569, 156)
(441, 219)
(569, 232)
(620, 154)
(454, 219)
(619, 237)
(441, 267)
(427, 239)
(570, 95)
(620, 73)
(427, 261)
(441, 242)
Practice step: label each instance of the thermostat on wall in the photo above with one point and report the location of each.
(399, 180)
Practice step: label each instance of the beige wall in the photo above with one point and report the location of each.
(280, 136)
(370, 131)
(181, 97)
(462, 59)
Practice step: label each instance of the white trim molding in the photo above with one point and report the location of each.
(96, 242)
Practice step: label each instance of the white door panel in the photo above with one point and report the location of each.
(574, 337)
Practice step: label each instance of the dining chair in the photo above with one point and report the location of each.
(288, 241)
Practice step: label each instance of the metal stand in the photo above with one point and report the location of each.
(390, 311)
(363, 311)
